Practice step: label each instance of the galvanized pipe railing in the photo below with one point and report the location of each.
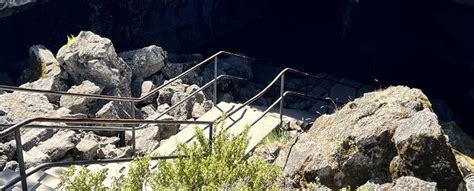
(281, 99)
(281, 77)
(134, 100)
(24, 124)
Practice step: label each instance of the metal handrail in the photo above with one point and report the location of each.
(160, 115)
(123, 98)
(15, 128)
(287, 93)
(281, 76)
(19, 146)
(134, 100)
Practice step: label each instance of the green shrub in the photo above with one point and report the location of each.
(82, 179)
(225, 168)
(136, 177)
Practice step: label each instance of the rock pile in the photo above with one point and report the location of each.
(89, 65)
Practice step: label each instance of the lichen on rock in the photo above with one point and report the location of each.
(359, 141)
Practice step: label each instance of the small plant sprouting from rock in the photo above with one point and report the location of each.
(71, 39)
(277, 136)
(44, 71)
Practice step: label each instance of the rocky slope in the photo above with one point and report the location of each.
(90, 65)
(380, 138)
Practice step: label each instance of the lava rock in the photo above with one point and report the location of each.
(402, 183)
(44, 72)
(360, 140)
(146, 61)
(92, 57)
(87, 149)
(423, 151)
(81, 104)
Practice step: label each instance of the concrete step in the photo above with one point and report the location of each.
(235, 124)
(187, 134)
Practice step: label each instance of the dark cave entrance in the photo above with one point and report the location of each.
(423, 44)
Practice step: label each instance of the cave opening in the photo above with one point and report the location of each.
(423, 44)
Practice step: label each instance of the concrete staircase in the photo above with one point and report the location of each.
(41, 180)
(235, 124)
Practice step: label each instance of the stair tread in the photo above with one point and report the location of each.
(50, 181)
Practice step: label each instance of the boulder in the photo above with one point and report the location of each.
(199, 97)
(359, 141)
(166, 93)
(402, 183)
(57, 146)
(146, 61)
(269, 152)
(19, 106)
(184, 110)
(33, 137)
(81, 104)
(12, 165)
(162, 108)
(7, 151)
(87, 149)
(44, 73)
(34, 157)
(147, 87)
(200, 109)
(92, 57)
(147, 111)
(423, 151)
(111, 151)
(236, 66)
(113, 110)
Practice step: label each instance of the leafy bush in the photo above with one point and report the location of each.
(137, 175)
(225, 168)
(82, 179)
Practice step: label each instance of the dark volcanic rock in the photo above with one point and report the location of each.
(423, 152)
(359, 141)
(146, 61)
(93, 58)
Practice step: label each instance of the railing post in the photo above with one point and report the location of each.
(282, 91)
(214, 96)
(132, 107)
(21, 161)
(210, 138)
